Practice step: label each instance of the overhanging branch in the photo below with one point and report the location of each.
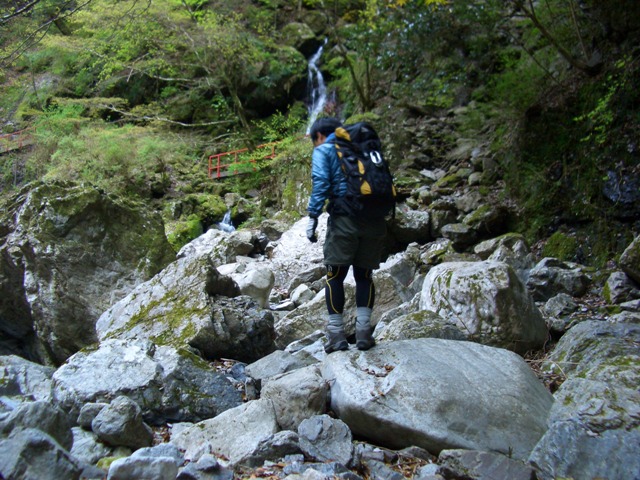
(148, 118)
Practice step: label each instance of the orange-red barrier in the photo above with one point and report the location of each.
(15, 140)
(218, 169)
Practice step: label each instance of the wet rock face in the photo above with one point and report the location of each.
(67, 252)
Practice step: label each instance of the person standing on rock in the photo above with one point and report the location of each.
(350, 241)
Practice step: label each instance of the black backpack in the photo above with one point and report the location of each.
(370, 189)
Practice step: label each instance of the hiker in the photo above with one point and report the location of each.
(350, 240)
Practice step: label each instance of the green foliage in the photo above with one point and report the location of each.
(363, 117)
(400, 46)
(289, 182)
(600, 119)
(119, 159)
(209, 209)
(281, 125)
(182, 232)
(522, 79)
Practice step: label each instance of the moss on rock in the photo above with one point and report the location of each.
(561, 246)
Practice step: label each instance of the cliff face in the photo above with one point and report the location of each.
(68, 252)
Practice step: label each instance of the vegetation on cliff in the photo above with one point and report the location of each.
(136, 98)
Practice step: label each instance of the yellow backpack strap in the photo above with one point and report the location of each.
(342, 133)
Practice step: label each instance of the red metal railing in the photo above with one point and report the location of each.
(238, 165)
(16, 140)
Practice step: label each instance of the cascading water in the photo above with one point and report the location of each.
(226, 225)
(316, 87)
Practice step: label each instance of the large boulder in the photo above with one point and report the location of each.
(301, 37)
(630, 260)
(41, 415)
(234, 435)
(67, 252)
(439, 394)
(294, 254)
(121, 424)
(487, 301)
(31, 453)
(411, 226)
(296, 396)
(187, 304)
(20, 377)
(552, 276)
(594, 431)
(167, 384)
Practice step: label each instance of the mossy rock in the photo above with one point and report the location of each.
(421, 324)
(448, 181)
(561, 246)
(180, 233)
(630, 260)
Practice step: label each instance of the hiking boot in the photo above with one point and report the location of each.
(364, 339)
(336, 342)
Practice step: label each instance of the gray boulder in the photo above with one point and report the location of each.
(486, 301)
(67, 253)
(461, 235)
(558, 311)
(411, 226)
(439, 394)
(295, 259)
(158, 463)
(482, 466)
(326, 439)
(204, 245)
(512, 241)
(166, 383)
(233, 435)
(297, 396)
(630, 260)
(487, 220)
(135, 468)
(206, 468)
(593, 426)
(273, 448)
(187, 304)
(311, 317)
(256, 282)
(31, 453)
(87, 447)
(88, 412)
(24, 378)
(422, 324)
(120, 424)
(301, 37)
(552, 276)
(44, 416)
(620, 288)
(276, 363)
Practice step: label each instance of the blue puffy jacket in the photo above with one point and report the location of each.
(326, 175)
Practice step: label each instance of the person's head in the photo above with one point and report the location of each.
(322, 128)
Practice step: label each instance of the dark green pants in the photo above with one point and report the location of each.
(352, 241)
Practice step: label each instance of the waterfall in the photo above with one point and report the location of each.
(226, 225)
(316, 87)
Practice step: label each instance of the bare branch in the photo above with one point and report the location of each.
(18, 12)
(147, 118)
(530, 12)
(42, 29)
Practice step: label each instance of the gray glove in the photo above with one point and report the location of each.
(311, 229)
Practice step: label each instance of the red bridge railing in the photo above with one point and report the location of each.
(16, 140)
(237, 163)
